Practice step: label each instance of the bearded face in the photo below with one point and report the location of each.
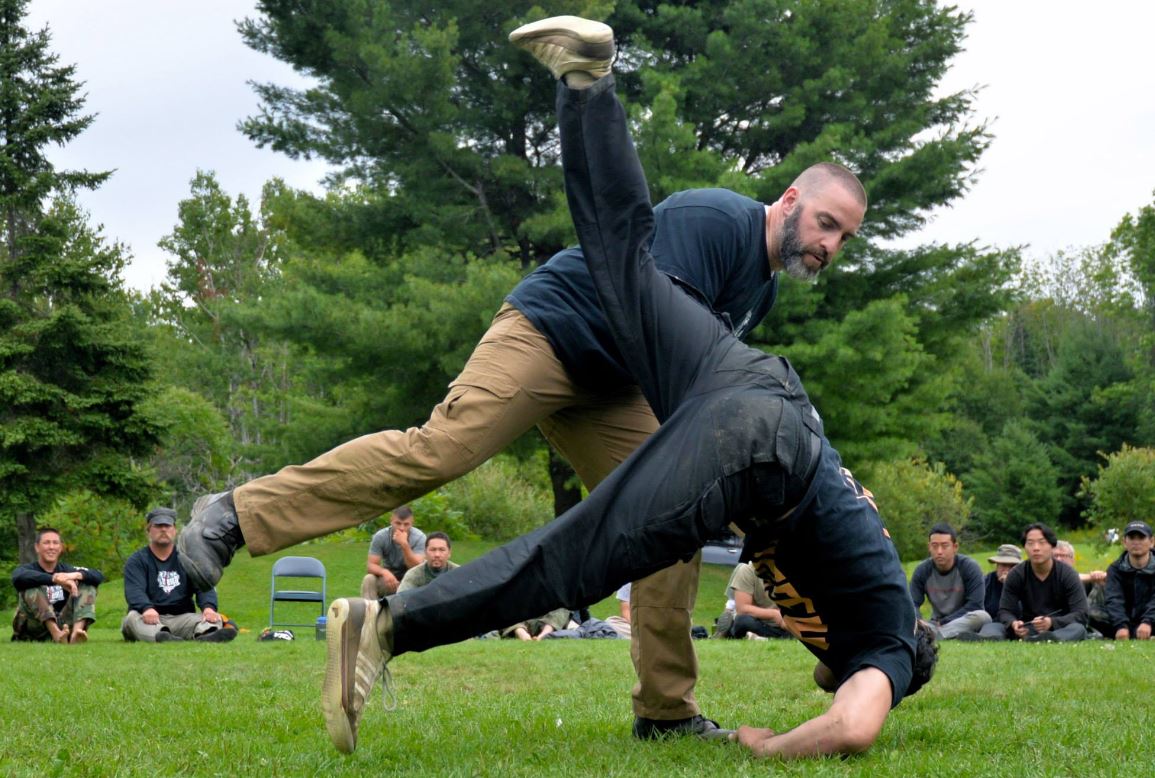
(793, 253)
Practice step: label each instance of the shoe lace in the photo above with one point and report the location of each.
(388, 694)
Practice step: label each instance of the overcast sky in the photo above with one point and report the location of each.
(1069, 88)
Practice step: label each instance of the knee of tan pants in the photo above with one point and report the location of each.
(373, 588)
(660, 646)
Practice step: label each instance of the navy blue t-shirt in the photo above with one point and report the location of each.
(161, 584)
(711, 241)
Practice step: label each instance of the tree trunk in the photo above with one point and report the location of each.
(26, 537)
(566, 492)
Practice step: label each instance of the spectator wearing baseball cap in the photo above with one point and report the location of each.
(162, 605)
(1131, 585)
(1004, 560)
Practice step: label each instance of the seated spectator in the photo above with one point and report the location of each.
(1094, 586)
(437, 552)
(539, 628)
(953, 583)
(57, 601)
(1043, 600)
(393, 551)
(160, 599)
(621, 621)
(1131, 585)
(755, 614)
(1004, 561)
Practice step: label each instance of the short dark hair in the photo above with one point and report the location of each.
(435, 536)
(942, 528)
(1048, 533)
(403, 512)
(41, 530)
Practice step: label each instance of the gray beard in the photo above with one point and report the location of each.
(793, 253)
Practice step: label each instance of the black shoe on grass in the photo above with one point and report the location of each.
(222, 635)
(696, 726)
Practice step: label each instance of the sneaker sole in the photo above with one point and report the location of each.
(340, 671)
(582, 37)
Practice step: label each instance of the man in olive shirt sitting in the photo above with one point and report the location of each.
(1043, 600)
(437, 551)
(754, 612)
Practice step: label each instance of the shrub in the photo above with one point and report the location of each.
(1124, 489)
(912, 496)
(498, 502)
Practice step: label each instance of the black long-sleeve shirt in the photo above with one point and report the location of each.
(1131, 593)
(161, 584)
(31, 575)
(1060, 596)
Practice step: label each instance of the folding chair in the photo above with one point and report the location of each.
(296, 567)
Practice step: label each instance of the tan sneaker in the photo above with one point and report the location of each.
(355, 659)
(568, 43)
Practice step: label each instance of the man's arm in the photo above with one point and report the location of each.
(744, 606)
(1115, 604)
(136, 585)
(207, 601)
(974, 587)
(29, 576)
(918, 584)
(1010, 605)
(1075, 598)
(412, 547)
(850, 726)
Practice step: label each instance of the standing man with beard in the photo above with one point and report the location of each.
(549, 359)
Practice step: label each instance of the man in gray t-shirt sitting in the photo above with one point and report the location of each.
(953, 583)
(392, 552)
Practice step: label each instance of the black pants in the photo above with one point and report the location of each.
(739, 441)
(681, 487)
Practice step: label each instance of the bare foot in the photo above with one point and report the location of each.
(60, 635)
(79, 635)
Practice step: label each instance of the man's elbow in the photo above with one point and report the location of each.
(856, 734)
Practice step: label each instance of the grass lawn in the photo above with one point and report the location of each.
(557, 708)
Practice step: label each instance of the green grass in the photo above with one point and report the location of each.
(557, 708)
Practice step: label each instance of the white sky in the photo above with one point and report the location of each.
(1069, 85)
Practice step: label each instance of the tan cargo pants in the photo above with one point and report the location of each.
(512, 381)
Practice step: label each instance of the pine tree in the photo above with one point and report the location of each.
(71, 368)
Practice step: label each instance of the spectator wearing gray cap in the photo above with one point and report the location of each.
(1004, 560)
(160, 599)
(1131, 585)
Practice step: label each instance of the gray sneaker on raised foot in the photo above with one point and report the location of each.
(359, 643)
(568, 43)
(207, 543)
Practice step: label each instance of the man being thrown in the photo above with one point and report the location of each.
(548, 359)
(739, 441)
